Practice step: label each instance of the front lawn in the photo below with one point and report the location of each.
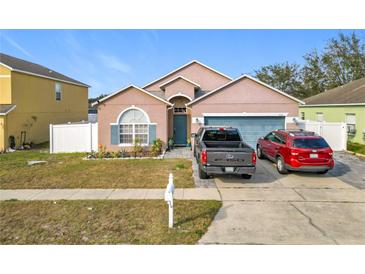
(356, 147)
(71, 171)
(104, 222)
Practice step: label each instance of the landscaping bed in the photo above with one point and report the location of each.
(104, 222)
(71, 171)
(356, 147)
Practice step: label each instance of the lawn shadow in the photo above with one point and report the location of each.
(209, 212)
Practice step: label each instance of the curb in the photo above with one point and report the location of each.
(361, 156)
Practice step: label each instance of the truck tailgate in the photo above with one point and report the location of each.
(229, 157)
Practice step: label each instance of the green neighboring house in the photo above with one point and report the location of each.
(342, 104)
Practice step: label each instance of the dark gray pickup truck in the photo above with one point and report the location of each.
(221, 150)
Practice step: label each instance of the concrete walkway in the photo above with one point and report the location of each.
(107, 194)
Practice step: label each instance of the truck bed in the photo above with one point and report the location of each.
(220, 144)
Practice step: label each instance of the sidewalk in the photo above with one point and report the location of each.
(107, 194)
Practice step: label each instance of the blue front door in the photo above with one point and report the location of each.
(180, 128)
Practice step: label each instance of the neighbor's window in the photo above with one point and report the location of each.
(351, 123)
(133, 124)
(302, 115)
(58, 91)
(319, 116)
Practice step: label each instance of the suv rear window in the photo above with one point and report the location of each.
(221, 135)
(310, 143)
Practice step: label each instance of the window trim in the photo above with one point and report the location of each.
(148, 123)
(350, 114)
(58, 92)
(134, 134)
(353, 132)
(302, 115)
(133, 107)
(322, 116)
(184, 110)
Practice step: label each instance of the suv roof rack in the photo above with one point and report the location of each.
(298, 132)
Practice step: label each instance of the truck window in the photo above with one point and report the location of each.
(221, 135)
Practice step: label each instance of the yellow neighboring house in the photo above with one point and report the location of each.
(32, 97)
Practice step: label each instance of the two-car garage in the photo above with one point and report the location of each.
(252, 126)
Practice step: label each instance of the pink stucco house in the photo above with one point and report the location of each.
(178, 103)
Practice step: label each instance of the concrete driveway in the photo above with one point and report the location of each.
(297, 208)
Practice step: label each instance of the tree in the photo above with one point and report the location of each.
(313, 75)
(285, 77)
(92, 100)
(342, 61)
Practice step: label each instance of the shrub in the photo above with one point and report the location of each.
(137, 148)
(156, 148)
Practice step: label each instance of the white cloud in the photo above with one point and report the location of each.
(113, 62)
(16, 45)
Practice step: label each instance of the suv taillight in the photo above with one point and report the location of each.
(203, 157)
(254, 158)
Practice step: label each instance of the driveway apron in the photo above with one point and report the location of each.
(297, 208)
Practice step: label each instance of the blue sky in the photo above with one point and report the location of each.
(110, 59)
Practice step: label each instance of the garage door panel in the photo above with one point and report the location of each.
(251, 128)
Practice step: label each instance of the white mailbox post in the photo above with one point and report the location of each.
(169, 199)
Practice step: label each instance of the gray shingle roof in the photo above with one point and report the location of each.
(6, 108)
(25, 66)
(350, 93)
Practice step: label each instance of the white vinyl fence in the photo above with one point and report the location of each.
(334, 133)
(73, 137)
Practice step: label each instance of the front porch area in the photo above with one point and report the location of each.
(179, 120)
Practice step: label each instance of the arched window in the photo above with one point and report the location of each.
(133, 125)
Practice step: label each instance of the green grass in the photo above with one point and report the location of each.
(71, 171)
(104, 222)
(356, 147)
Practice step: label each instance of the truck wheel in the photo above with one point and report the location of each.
(246, 176)
(260, 155)
(322, 172)
(202, 174)
(280, 165)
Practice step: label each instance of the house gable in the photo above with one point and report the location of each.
(245, 95)
(207, 78)
(110, 110)
(132, 99)
(180, 86)
(245, 78)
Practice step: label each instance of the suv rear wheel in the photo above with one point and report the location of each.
(280, 165)
(260, 155)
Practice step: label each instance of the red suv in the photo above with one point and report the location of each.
(296, 150)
